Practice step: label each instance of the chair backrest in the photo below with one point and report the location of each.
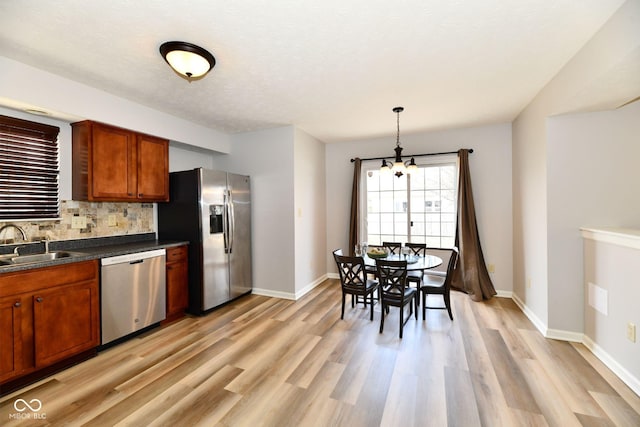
(394, 247)
(445, 255)
(419, 249)
(392, 276)
(352, 272)
(453, 260)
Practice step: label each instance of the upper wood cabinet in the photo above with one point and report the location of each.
(115, 164)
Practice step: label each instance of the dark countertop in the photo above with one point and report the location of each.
(88, 249)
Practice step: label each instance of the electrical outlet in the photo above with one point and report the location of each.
(491, 268)
(79, 222)
(112, 220)
(631, 332)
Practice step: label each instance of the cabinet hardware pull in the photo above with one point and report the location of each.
(140, 195)
(17, 304)
(39, 299)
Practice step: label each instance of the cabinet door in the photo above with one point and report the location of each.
(65, 321)
(153, 168)
(10, 337)
(177, 288)
(112, 165)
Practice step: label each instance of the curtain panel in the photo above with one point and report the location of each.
(470, 275)
(354, 219)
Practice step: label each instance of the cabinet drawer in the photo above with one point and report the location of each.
(176, 254)
(46, 277)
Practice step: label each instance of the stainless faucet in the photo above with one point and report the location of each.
(20, 229)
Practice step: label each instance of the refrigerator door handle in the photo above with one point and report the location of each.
(225, 223)
(232, 222)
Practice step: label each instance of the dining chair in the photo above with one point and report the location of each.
(354, 281)
(372, 269)
(438, 285)
(415, 276)
(394, 290)
(394, 247)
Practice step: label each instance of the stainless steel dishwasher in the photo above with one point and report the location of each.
(133, 293)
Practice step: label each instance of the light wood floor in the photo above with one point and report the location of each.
(265, 361)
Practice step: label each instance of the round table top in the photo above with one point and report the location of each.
(413, 262)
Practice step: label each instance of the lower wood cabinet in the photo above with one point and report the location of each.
(177, 282)
(11, 337)
(46, 316)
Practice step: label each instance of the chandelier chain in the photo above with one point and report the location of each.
(398, 125)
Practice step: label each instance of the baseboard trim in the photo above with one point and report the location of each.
(504, 294)
(290, 295)
(273, 294)
(302, 292)
(624, 375)
(558, 334)
(539, 324)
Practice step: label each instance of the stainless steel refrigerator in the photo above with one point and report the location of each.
(212, 210)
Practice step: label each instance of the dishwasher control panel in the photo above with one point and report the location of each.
(136, 256)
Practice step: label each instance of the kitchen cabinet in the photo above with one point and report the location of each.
(115, 164)
(47, 315)
(177, 282)
(10, 337)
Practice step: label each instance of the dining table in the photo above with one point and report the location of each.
(414, 262)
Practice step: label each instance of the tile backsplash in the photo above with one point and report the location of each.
(126, 218)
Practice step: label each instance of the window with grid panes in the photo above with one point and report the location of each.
(417, 208)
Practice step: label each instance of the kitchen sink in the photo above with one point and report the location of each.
(47, 256)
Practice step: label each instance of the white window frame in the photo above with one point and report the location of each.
(370, 165)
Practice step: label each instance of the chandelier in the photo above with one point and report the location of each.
(398, 166)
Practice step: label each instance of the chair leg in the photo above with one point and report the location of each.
(447, 303)
(353, 301)
(401, 320)
(371, 296)
(415, 302)
(382, 318)
(342, 313)
(424, 305)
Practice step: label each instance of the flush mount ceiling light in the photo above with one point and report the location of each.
(398, 166)
(191, 62)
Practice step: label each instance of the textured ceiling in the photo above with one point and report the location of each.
(334, 68)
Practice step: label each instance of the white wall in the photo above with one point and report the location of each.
(601, 62)
(184, 157)
(612, 264)
(24, 85)
(490, 166)
(310, 212)
(592, 172)
(268, 157)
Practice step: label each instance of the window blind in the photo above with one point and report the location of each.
(29, 170)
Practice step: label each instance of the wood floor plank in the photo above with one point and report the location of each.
(514, 386)
(617, 409)
(261, 361)
(491, 402)
(548, 398)
(461, 402)
(616, 383)
(569, 385)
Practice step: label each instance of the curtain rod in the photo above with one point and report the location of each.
(413, 155)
